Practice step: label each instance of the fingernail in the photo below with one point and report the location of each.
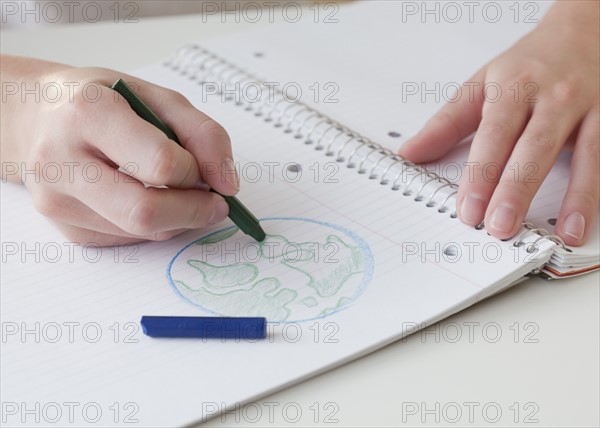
(220, 213)
(472, 209)
(201, 185)
(231, 175)
(574, 225)
(503, 218)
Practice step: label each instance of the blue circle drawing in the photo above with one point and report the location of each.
(304, 270)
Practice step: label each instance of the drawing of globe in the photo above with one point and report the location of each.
(303, 270)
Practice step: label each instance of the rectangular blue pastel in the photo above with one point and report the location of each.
(205, 327)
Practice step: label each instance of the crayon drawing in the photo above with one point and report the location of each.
(303, 270)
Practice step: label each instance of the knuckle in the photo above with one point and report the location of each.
(165, 95)
(141, 217)
(168, 97)
(482, 174)
(591, 147)
(541, 140)
(496, 130)
(586, 196)
(445, 119)
(589, 139)
(204, 211)
(177, 97)
(564, 91)
(528, 71)
(165, 164)
(77, 109)
(524, 77)
(214, 131)
(489, 172)
(83, 106)
(516, 187)
(200, 216)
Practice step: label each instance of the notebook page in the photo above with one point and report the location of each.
(70, 314)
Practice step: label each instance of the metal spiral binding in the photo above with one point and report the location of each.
(543, 234)
(194, 62)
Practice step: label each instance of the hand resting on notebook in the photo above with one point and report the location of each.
(66, 139)
(550, 87)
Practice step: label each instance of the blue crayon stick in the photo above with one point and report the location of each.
(205, 327)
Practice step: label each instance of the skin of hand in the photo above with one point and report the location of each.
(556, 69)
(67, 138)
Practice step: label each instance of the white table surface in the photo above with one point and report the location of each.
(550, 369)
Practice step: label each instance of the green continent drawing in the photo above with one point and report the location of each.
(282, 278)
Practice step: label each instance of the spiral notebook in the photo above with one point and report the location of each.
(363, 247)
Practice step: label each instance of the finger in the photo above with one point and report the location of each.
(204, 138)
(502, 123)
(110, 126)
(143, 211)
(578, 210)
(69, 211)
(534, 155)
(93, 238)
(454, 122)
